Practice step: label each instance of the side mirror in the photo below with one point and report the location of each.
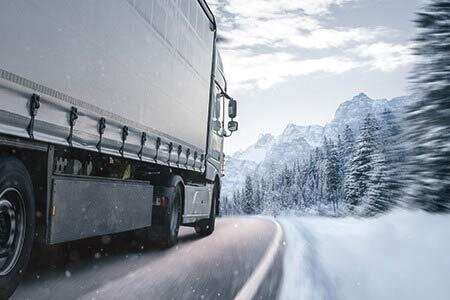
(232, 108)
(233, 126)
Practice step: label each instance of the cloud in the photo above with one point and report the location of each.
(385, 57)
(299, 31)
(284, 23)
(249, 70)
(265, 42)
(275, 8)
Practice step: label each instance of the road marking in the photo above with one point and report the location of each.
(252, 285)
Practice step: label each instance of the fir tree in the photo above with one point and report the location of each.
(341, 164)
(361, 166)
(264, 191)
(332, 172)
(248, 203)
(378, 190)
(428, 120)
(236, 207)
(349, 140)
(393, 153)
(257, 199)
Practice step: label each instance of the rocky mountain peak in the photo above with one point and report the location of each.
(264, 139)
(361, 97)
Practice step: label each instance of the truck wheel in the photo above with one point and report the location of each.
(206, 227)
(17, 221)
(167, 234)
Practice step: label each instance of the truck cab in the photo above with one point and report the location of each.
(222, 124)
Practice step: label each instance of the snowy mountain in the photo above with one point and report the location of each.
(245, 162)
(352, 112)
(291, 145)
(296, 142)
(257, 152)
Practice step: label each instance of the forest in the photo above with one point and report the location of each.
(357, 173)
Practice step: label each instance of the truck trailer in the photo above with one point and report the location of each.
(113, 116)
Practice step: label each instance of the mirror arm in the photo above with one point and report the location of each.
(223, 117)
(222, 91)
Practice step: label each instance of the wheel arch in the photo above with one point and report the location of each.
(175, 180)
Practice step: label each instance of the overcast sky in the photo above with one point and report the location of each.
(295, 61)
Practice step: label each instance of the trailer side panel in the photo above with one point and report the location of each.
(141, 64)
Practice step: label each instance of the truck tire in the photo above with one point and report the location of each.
(166, 235)
(17, 223)
(206, 227)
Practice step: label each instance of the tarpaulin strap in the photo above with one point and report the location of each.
(124, 138)
(202, 158)
(101, 131)
(157, 145)
(34, 106)
(188, 153)
(195, 158)
(72, 120)
(179, 151)
(170, 151)
(143, 141)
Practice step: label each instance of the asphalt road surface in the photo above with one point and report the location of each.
(242, 258)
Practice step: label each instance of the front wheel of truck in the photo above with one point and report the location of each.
(17, 223)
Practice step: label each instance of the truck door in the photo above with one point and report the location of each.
(216, 133)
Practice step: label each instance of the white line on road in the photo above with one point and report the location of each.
(252, 285)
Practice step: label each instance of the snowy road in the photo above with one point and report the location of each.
(215, 267)
(401, 255)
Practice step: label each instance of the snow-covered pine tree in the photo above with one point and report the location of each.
(247, 199)
(264, 191)
(317, 179)
(257, 198)
(236, 206)
(297, 186)
(286, 199)
(332, 171)
(361, 166)
(428, 120)
(341, 163)
(393, 150)
(348, 144)
(226, 206)
(310, 182)
(349, 141)
(378, 190)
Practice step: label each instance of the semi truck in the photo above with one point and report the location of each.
(113, 116)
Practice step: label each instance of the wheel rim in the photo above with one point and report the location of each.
(12, 229)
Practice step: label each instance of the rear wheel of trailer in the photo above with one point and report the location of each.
(17, 222)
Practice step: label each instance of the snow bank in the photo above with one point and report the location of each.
(402, 255)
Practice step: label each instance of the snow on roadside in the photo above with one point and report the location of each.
(402, 255)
